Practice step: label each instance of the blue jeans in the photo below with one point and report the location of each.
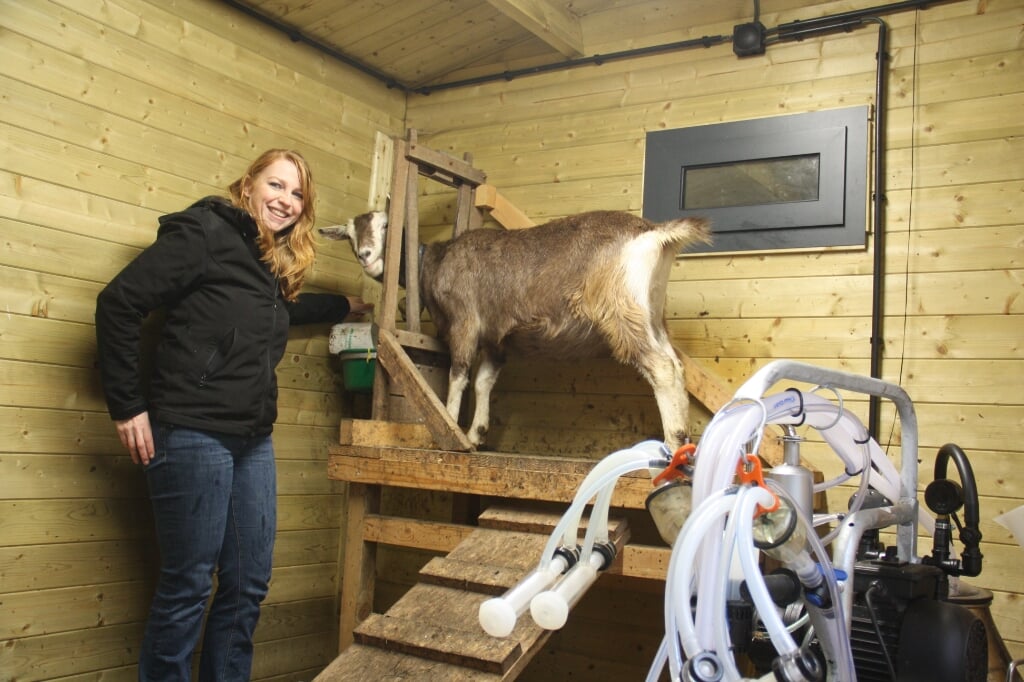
(215, 506)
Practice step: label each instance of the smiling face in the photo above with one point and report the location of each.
(276, 197)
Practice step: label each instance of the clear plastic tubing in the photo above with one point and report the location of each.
(848, 438)
(644, 455)
(838, 635)
(607, 471)
(884, 476)
(658, 664)
(498, 615)
(679, 578)
(720, 447)
(782, 640)
(718, 594)
(678, 618)
(597, 529)
(550, 609)
(846, 435)
(681, 567)
(715, 470)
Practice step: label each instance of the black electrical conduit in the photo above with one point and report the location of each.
(792, 31)
(795, 30)
(297, 36)
(878, 220)
(845, 22)
(799, 30)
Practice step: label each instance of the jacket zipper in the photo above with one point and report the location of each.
(266, 352)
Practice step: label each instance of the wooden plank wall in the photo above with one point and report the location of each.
(573, 140)
(112, 113)
(117, 111)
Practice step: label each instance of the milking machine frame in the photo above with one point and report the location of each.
(728, 522)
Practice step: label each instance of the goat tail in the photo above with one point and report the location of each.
(683, 232)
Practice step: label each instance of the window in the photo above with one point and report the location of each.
(797, 181)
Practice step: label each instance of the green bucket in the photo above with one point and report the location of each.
(357, 369)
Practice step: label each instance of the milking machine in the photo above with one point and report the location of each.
(759, 585)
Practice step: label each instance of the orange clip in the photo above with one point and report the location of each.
(682, 458)
(749, 471)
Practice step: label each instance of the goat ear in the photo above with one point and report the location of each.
(350, 230)
(335, 232)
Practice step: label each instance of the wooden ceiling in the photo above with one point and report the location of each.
(426, 42)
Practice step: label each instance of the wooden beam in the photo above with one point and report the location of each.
(546, 20)
(372, 432)
(643, 561)
(523, 477)
(703, 385)
(406, 378)
(420, 340)
(402, 532)
(501, 209)
(442, 167)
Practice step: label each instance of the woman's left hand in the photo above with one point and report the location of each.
(358, 307)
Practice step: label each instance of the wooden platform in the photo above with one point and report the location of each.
(432, 632)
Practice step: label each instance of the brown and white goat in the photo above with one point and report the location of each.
(581, 286)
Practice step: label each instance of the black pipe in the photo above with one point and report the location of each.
(878, 276)
(298, 36)
(792, 30)
(970, 534)
(797, 30)
(870, 13)
(598, 59)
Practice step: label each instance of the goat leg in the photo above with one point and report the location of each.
(458, 379)
(664, 371)
(486, 376)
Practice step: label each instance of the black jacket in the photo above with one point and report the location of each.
(225, 330)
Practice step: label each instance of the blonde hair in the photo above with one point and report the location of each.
(290, 252)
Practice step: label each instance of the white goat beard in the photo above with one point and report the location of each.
(376, 268)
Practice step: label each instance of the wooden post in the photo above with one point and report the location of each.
(360, 561)
(412, 245)
(464, 204)
(389, 293)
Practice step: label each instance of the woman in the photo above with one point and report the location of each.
(227, 274)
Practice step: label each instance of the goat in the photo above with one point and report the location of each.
(581, 286)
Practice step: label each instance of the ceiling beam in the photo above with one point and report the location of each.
(552, 24)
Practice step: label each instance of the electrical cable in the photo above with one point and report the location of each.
(878, 587)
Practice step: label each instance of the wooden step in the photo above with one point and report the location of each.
(440, 624)
(488, 563)
(360, 663)
(433, 632)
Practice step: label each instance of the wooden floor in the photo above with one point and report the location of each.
(432, 632)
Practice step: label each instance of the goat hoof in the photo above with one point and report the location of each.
(477, 437)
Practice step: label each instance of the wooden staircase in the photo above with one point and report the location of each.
(432, 632)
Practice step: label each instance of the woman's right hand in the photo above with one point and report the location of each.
(137, 437)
